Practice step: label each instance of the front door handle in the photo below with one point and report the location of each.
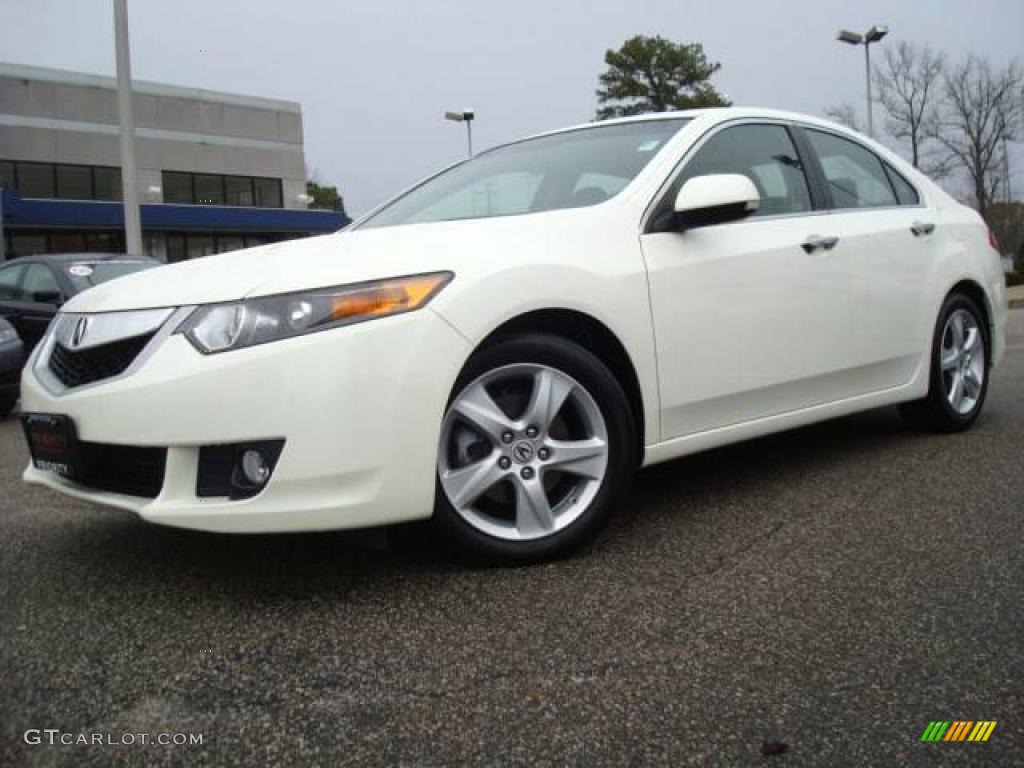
(921, 228)
(817, 242)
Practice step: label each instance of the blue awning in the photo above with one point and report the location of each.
(45, 213)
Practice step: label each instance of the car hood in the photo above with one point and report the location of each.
(466, 247)
(469, 247)
(313, 262)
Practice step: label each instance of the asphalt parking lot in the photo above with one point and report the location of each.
(834, 588)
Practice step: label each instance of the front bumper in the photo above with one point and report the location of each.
(359, 408)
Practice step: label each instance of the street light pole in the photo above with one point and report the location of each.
(873, 35)
(464, 116)
(126, 118)
(867, 73)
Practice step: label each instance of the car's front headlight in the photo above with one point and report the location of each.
(220, 327)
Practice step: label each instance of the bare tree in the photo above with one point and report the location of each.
(909, 85)
(844, 114)
(983, 108)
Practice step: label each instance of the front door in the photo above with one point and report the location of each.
(751, 318)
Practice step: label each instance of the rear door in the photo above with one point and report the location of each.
(887, 237)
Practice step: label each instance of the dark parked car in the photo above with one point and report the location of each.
(12, 355)
(33, 288)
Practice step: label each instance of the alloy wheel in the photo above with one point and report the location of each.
(524, 450)
(962, 361)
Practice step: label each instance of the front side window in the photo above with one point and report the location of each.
(855, 175)
(765, 154)
(572, 169)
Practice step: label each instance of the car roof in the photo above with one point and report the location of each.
(717, 114)
(71, 258)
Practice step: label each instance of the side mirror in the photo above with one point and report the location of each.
(715, 199)
(48, 297)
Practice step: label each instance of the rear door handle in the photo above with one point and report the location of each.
(817, 242)
(921, 228)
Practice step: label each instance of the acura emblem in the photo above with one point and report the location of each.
(81, 328)
(523, 452)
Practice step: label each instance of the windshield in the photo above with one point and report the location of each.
(85, 274)
(565, 170)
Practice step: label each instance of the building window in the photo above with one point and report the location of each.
(268, 193)
(209, 189)
(28, 242)
(35, 180)
(191, 245)
(238, 190)
(201, 245)
(177, 187)
(67, 242)
(58, 180)
(175, 248)
(215, 189)
(7, 174)
(106, 183)
(74, 182)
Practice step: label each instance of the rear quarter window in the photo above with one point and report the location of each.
(905, 192)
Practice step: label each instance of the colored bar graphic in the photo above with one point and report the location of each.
(958, 730)
(935, 730)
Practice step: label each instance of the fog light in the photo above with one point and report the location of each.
(236, 470)
(255, 468)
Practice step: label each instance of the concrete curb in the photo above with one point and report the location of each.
(1015, 297)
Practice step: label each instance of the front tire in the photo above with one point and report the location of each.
(958, 381)
(536, 443)
(7, 403)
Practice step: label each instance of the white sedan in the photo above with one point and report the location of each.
(499, 347)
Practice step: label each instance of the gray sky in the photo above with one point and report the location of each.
(374, 77)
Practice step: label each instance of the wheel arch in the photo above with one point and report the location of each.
(974, 291)
(594, 336)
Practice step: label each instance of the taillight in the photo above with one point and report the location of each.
(993, 241)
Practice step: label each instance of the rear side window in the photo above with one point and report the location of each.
(764, 154)
(855, 176)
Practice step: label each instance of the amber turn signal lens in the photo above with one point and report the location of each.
(391, 297)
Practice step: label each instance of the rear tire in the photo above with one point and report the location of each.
(958, 380)
(537, 442)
